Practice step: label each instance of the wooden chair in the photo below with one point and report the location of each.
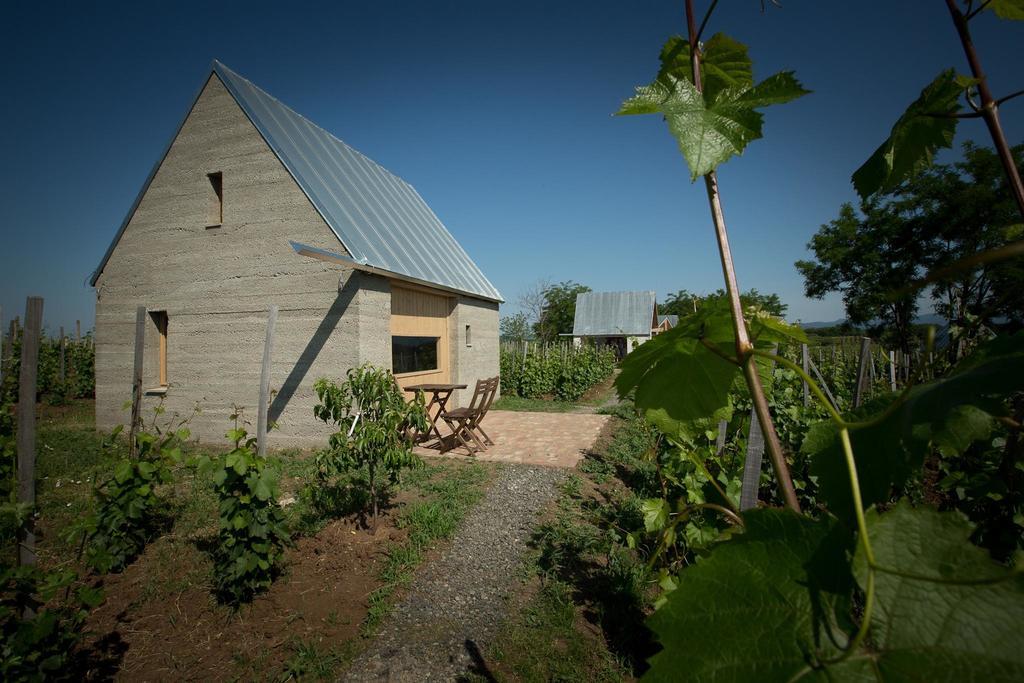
(465, 422)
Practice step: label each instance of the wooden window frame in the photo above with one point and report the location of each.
(216, 180)
(160, 321)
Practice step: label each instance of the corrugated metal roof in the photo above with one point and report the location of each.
(613, 314)
(378, 217)
(673, 320)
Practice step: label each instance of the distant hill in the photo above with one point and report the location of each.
(927, 319)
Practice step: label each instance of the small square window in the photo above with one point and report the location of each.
(215, 201)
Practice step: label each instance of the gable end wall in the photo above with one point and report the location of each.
(217, 285)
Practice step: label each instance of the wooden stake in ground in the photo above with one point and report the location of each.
(62, 354)
(892, 370)
(26, 438)
(264, 405)
(805, 359)
(755, 455)
(723, 426)
(140, 346)
(862, 372)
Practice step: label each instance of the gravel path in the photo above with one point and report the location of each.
(459, 602)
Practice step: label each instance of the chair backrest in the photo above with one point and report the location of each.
(483, 395)
(491, 390)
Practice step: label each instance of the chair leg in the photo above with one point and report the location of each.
(462, 431)
(486, 438)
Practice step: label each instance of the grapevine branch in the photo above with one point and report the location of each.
(989, 105)
(744, 348)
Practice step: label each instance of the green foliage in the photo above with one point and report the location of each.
(1007, 9)
(37, 645)
(128, 511)
(375, 425)
(559, 310)
(950, 412)
(945, 610)
(684, 302)
(515, 327)
(927, 126)
(759, 595)
(253, 534)
(79, 369)
(686, 373)
(563, 372)
(716, 123)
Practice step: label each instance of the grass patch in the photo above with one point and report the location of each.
(450, 493)
(533, 405)
(312, 660)
(544, 643)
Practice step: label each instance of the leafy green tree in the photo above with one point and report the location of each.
(937, 218)
(964, 209)
(515, 327)
(559, 310)
(866, 256)
(375, 428)
(681, 303)
(684, 302)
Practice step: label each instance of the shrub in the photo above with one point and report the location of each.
(375, 428)
(564, 372)
(253, 533)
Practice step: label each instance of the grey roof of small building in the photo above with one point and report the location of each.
(609, 314)
(379, 218)
(673, 320)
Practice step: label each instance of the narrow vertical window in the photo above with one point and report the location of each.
(215, 210)
(469, 336)
(159, 328)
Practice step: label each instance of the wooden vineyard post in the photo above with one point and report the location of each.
(140, 346)
(805, 359)
(264, 405)
(61, 354)
(26, 438)
(824, 385)
(723, 426)
(752, 465)
(862, 372)
(892, 370)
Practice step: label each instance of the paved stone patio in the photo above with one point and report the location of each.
(545, 439)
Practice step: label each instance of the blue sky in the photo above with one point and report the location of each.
(498, 113)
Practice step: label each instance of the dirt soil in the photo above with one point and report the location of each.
(160, 622)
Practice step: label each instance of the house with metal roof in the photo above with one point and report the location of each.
(253, 205)
(666, 323)
(621, 320)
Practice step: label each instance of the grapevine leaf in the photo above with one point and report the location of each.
(766, 593)
(946, 627)
(655, 513)
(925, 127)
(712, 126)
(949, 412)
(1007, 9)
(679, 379)
(724, 63)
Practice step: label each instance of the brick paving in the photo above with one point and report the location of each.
(545, 439)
